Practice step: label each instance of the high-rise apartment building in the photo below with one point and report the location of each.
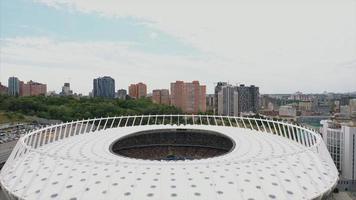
(66, 91)
(228, 101)
(138, 90)
(217, 89)
(14, 86)
(104, 87)
(254, 98)
(190, 96)
(340, 139)
(122, 94)
(248, 98)
(25, 89)
(32, 88)
(244, 97)
(37, 88)
(210, 103)
(161, 96)
(156, 96)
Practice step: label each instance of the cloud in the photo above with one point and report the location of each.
(54, 61)
(282, 46)
(153, 35)
(253, 31)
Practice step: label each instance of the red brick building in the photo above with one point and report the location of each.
(161, 96)
(138, 90)
(32, 88)
(190, 97)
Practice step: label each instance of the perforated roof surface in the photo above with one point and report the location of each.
(261, 166)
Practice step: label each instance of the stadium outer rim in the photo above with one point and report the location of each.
(33, 141)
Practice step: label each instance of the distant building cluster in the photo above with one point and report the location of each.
(20, 88)
(287, 111)
(336, 113)
(191, 97)
(188, 96)
(298, 104)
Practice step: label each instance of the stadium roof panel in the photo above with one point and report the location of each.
(74, 161)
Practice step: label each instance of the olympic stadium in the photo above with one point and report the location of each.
(170, 157)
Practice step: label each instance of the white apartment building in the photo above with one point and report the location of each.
(340, 139)
(228, 103)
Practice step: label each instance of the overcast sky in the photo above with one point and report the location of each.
(280, 46)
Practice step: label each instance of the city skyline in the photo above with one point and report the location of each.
(135, 42)
(210, 90)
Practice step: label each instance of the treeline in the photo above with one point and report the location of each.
(69, 108)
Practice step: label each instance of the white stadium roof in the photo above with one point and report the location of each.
(270, 160)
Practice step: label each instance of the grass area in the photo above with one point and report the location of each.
(11, 117)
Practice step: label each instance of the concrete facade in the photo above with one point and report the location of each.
(228, 103)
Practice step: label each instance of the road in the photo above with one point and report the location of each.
(2, 195)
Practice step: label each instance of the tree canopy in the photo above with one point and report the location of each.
(70, 108)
